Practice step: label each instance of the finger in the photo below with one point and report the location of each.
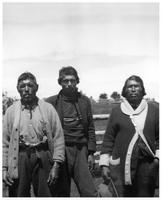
(9, 180)
(8, 183)
(49, 182)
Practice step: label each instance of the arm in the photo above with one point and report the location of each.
(157, 133)
(90, 130)
(58, 137)
(107, 147)
(58, 145)
(7, 124)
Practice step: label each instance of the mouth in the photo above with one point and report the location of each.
(26, 95)
(133, 95)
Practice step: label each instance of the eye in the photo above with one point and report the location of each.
(31, 85)
(21, 86)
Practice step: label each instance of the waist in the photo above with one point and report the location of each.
(33, 148)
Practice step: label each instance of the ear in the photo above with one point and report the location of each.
(17, 88)
(37, 86)
(59, 81)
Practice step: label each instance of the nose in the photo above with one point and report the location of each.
(69, 83)
(133, 88)
(26, 88)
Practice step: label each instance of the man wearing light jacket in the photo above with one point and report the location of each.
(33, 143)
(130, 150)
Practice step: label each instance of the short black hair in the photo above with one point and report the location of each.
(26, 75)
(69, 70)
(135, 78)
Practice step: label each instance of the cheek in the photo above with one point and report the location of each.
(21, 91)
(32, 90)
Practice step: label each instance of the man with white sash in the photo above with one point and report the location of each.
(130, 150)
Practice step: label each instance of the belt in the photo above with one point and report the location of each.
(33, 149)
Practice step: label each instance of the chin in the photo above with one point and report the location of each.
(27, 100)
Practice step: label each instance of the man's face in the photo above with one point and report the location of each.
(133, 91)
(27, 89)
(69, 81)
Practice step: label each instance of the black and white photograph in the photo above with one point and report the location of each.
(80, 99)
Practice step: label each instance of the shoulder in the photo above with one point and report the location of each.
(83, 97)
(12, 107)
(153, 106)
(46, 105)
(12, 110)
(116, 108)
(51, 99)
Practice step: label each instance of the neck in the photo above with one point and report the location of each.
(135, 104)
(69, 96)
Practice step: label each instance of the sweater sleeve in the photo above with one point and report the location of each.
(91, 130)
(110, 135)
(7, 129)
(57, 136)
(157, 133)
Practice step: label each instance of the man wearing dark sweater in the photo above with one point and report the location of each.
(74, 110)
(130, 150)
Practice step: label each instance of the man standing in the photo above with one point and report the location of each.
(130, 150)
(33, 143)
(74, 111)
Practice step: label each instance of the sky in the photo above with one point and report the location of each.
(105, 42)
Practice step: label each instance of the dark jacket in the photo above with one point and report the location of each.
(86, 113)
(120, 131)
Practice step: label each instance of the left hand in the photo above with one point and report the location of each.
(91, 162)
(53, 175)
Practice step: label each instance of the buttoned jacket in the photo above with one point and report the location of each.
(11, 131)
(120, 132)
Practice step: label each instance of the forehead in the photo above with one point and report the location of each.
(68, 77)
(26, 81)
(132, 82)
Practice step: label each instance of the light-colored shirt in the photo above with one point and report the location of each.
(31, 122)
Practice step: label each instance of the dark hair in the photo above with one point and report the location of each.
(26, 75)
(67, 71)
(135, 78)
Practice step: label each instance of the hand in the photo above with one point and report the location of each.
(156, 162)
(105, 173)
(91, 162)
(54, 174)
(7, 179)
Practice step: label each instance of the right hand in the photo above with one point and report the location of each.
(7, 179)
(106, 173)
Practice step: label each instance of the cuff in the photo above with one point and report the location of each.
(157, 153)
(104, 159)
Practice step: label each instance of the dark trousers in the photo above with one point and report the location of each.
(32, 169)
(76, 167)
(144, 182)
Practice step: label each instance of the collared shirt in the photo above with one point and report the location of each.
(31, 126)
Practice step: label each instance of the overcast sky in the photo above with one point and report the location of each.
(105, 42)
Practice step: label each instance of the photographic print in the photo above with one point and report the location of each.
(78, 78)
